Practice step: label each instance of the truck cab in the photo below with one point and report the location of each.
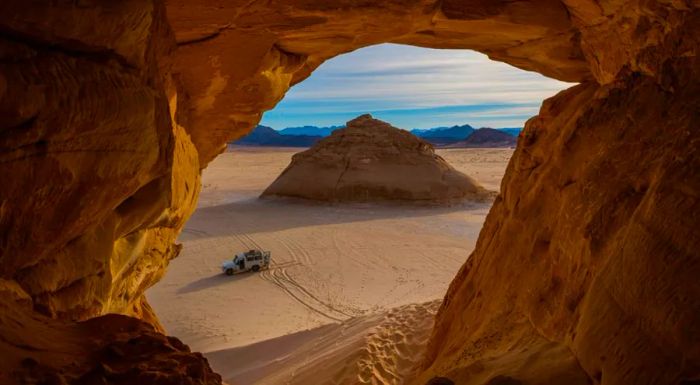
(251, 260)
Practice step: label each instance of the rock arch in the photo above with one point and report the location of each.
(588, 262)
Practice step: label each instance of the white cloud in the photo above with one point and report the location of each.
(405, 78)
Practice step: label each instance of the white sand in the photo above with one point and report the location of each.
(338, 271)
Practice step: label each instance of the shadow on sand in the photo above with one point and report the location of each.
(212, 281)
(248, 364)
(282, 214)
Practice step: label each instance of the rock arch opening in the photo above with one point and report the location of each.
(365, 257)
(589, 258)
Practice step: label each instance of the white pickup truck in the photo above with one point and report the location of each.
(251, 260)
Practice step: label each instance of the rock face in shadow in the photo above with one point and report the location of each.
(109, 349)
(98, 179)
(605, 269)
(369, 160)
(587, 266)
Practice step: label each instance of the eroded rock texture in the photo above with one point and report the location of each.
(253, 51)
(592, 248)
(110, 349)
(97, 177)
(370, 160)
(587, 267)
(606, 267)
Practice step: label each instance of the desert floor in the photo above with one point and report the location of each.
(344, 277)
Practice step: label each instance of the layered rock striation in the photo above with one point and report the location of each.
(369, 160)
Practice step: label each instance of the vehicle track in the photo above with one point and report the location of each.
(291, 252)
(282, 265)
(278, 275)
(248, 240)
(284, 275)
(298, 252)
(350, 250)
(194, 231)
(305, 252)
(281, 279)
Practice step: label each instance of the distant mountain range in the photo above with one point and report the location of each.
(455, 132)
(443, 135)
(455, 136)
(309, 130)
(514, 131)
(266, 136)
(486, 137)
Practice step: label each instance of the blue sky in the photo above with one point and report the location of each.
(412, 87)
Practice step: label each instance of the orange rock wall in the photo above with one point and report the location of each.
(586, 268)
(591, 246)
(98, 181)
(252, 52)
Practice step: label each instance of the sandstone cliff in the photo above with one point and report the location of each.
(579, 294)
(587, 265)
(370, 160)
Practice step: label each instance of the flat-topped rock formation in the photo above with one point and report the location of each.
(370, 160)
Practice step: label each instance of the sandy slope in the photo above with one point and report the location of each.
(377, 348)
(337, 270)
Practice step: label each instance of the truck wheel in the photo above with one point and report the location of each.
(256, 268)
(229, 271)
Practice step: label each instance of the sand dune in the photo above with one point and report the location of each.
(381, 348)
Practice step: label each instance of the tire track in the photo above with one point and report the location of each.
(300, 253)
(350, 250)
(250, 241)
(282, 279)
(285, 243)
(284, 275)
(278, 275)
(196, 232)
(281, 265)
